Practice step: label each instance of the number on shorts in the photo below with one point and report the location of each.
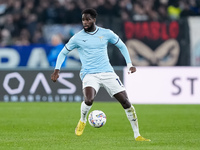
(119, 82)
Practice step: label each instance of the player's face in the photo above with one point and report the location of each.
(88, 22)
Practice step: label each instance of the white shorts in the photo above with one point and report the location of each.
(110, 81)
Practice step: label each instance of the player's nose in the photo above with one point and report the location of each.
(85, 22)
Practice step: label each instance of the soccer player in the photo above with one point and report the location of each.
(91, 43)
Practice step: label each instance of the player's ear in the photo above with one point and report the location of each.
(94, 20)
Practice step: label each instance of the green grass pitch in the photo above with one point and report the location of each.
(50, 126)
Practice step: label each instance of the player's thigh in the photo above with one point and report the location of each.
(91, 80)
(113, 84)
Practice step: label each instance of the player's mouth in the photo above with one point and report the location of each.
(86, 27)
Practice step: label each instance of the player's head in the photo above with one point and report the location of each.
(88, 19)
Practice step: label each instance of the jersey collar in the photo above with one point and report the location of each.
(92, 33)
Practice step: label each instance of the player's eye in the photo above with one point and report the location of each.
(84, 19)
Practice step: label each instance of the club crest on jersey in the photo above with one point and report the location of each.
(101, 38)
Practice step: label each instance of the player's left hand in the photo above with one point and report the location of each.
(132, 70)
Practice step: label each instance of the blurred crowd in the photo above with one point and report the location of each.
(22, 21)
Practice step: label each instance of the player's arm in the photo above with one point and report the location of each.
(60, 60)
(122, 47)
(61, 57)
(114, 39)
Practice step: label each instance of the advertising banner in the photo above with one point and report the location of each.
(35, 56)
(32, 56)
(148, 85)
(153, 43)
(163, 85)
(36, 86)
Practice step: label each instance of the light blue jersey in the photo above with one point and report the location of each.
(92, 49)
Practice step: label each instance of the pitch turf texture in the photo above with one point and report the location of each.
(50, 126)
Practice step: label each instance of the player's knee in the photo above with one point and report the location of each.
(88, 101)
(126, 104)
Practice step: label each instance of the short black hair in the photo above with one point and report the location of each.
(90, 11)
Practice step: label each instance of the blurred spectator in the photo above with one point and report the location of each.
(31, 24)
(101, 9)
(72, 12)
(57, 44)
(41, 10)
(52, 13)
(125, 16)
(33, 15)
(81, 4)
(126, 8)
(112, 8)
(174, 10)
(162, 6)
(23, 39)
(148, 6)
(38, 38)
(3, 7)
(9, 24)
(5, 38)
(194, 6)
(139, 13)
(189, 8)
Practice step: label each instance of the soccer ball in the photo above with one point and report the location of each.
(97, 118)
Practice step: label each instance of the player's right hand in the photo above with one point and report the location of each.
(55, 75)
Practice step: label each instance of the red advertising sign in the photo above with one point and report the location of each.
(152, 43)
